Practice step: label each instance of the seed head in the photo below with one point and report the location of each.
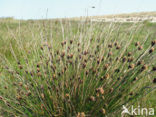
(110, 54)
(63, 54)
(38, 69)
(97, 95)
(116, 43)
(85, 60)
(26, 71)
(119, 78)
(102, 59)
(103, 111)
(26, 87)
(140, 48)
(78, 44)
(41, 48)
(18, 97)
(102, 97)
(83, 65)
(92, 98)
(117, 58)
(151, 50)
(130, 59)
(144, 67)
(154, 68)
(20, 84)
(39, 74)
(71, 41)
(42, 87)
(71, 55)
(111, 90)
(68, 56)
(117, 70)
(70, 61)
(80, 56)
(140, 62)
(42, 95)
(137, 43)
(78, 49)
(65, 68)
(98, 61)
(98, 46)
(81, 114)
(85, 52)
(67, 95)
(131, 93)
(8, 104)
(63, 43)
(102, 78)
(38, 65)
(49, 47)
(110, 45)
(87, 72)
(80, 81)
(136, 78)
(100, 90)
(1, 98)
(154, 80)
(131, 66)
(118, 47)
(106, 76)
(54, 76)
(42, 106)
(153, 42)
(28, 93)
(129, 53)
(57, 52)
(20, 66)
(45, 44)
(18, 63)
(124, 59)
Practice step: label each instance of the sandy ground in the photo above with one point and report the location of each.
(129, 19)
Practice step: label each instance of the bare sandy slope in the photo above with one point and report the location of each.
(129, 17)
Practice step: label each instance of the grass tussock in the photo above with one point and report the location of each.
(80, 69)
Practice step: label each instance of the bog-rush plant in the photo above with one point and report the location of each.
(89, 70)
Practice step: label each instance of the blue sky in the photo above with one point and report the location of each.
(37, 9)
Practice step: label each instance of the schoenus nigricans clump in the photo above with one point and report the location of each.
(75, 69)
